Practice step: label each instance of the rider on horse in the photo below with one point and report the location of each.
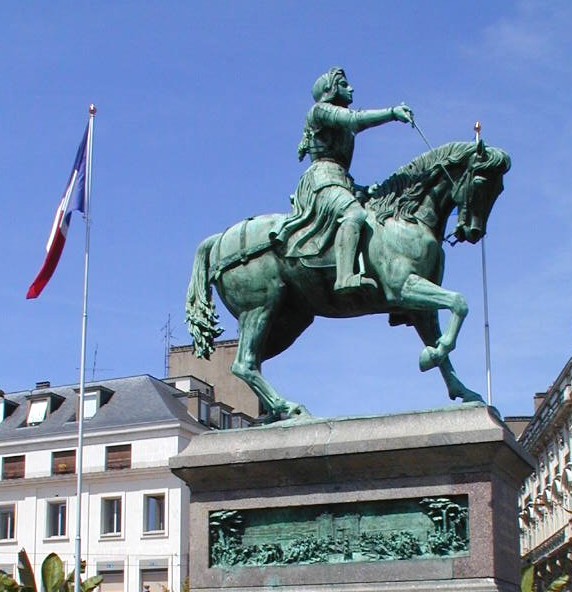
(324, 203)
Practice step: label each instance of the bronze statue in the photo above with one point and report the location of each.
(325, 203)
(275, 273)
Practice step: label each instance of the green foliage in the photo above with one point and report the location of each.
(53, 577)
(527, 579)
(559, 584)
(8, 584)
(26, 572)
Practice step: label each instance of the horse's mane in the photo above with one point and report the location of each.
(401, 194)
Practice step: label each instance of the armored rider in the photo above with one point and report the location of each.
(325, 206)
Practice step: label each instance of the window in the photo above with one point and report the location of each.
(204, 412)
(37, 411)
(113, 581)
(118, 457)
(41, 406)
(63, 462)
(90, 404)
(93, 399)
(225, 420)
(7, 522)
(154, 580)
(13, 467)
(57, 513)
(154, 513)
(111, 516)
(6, 407)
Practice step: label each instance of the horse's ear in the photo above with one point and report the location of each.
(481, 150)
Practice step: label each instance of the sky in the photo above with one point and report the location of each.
(201, 106)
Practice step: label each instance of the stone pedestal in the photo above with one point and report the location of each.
(345, 479)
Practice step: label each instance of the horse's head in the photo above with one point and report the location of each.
(477, 190)
(462, 174)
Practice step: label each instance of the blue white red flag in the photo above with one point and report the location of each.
(74, 199)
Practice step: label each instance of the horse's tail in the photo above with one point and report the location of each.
(202, 319)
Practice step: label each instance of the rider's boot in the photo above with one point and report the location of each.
(345, 248)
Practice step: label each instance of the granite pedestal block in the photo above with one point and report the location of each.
(356, 479)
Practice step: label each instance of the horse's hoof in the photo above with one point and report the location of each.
(428, 359)
(295, 411)
(466, 396)
(288, 410)
(472, 397)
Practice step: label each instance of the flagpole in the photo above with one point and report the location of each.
(477, 130)
(79, 464)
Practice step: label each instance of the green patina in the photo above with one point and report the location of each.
(347, 250)
(367, 531)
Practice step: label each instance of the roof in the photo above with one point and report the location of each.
(555, 406)
(217, 343)
(136, 401)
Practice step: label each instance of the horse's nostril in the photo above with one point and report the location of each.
(474, 235)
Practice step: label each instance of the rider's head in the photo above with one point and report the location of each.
(325, 89)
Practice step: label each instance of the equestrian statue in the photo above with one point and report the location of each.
(347, 250)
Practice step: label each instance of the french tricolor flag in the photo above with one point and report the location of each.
(74, 199)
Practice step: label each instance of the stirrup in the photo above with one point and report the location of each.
(354, 282)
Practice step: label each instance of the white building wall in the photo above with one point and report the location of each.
(132, 550)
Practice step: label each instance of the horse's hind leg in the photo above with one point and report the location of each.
(427, 326)
(254, 329)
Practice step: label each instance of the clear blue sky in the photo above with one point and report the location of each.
(201, 107)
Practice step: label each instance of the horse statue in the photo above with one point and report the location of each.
(275, 298)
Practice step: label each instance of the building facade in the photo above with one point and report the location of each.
(546, 496)
(216, 371)
(135, 513)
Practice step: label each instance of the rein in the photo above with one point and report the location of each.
(455, 186)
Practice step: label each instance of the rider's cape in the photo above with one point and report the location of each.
(317, 209)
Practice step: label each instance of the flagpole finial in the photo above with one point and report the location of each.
(92, 109)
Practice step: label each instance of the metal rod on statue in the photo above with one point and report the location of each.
(79, 464)
(424, 138)
(477, 130)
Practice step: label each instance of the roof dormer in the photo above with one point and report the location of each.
(7, 407)
(41, 406)
(94, 398)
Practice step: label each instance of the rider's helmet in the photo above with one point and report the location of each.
(326, 87)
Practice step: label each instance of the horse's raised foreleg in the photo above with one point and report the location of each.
(420, 294)
(427, 326)
(254, 328)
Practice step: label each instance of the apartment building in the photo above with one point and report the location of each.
(546, 496)
(134, 511)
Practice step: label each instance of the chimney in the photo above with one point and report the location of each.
(538, 400)
(43, 384)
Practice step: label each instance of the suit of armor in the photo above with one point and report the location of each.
(325, 207)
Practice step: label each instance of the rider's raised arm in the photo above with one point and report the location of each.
(333, 116)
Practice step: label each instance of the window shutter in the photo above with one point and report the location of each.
(13, 467)
(118, 457)
(63, 462)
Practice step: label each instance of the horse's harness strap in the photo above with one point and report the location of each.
(245, 254)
